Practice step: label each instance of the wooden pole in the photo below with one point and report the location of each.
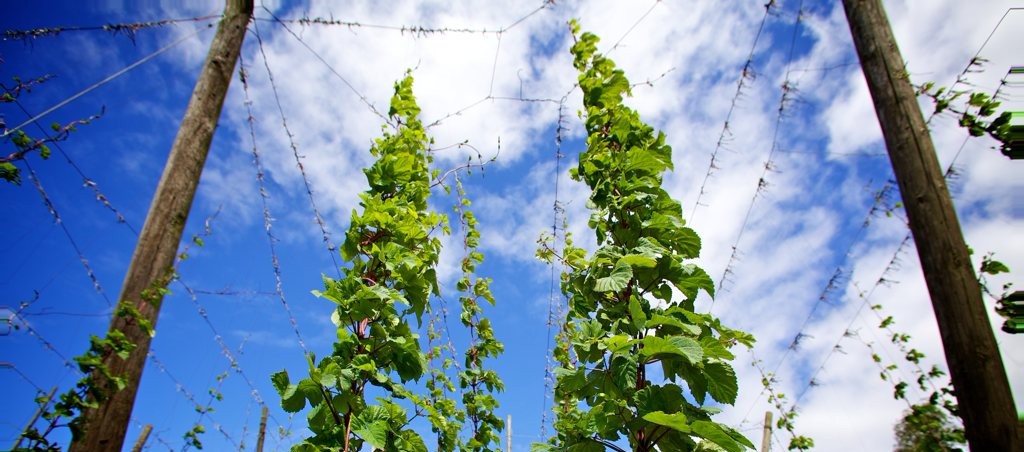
(262, 432)
(975, 365)
(154, 255)
(766, 437)
(139, 443)
(35, 417)
(508, 434)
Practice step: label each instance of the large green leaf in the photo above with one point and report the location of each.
(571, 380)
(659, 347)
(641, 160)
(712, 431)
(657, 320)
(292, 399)
(624, 372)
(311, 390)
(714, 349)
(372, 425)
(639, 260)
(375, 433)
(691, 349)
(636, 313)
(618, 343)
(280, 380)
(667, 398)
(674, 421)
(722, 384)
(617, 280)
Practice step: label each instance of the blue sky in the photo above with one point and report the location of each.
(803, 224)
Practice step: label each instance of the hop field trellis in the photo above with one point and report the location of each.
(507, 88)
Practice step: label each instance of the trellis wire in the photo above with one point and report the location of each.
(57, 219)
(762, 183)
(265, 198)
(295, 152)
(746, 73)
(101, 82)
(86, 180)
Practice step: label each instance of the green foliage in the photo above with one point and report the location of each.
(975, 112)
(631, 303)
(192, 436)
(940, 401)
(23, 144)
(476, 381)
(94, 388)
(99, 383)
(926, 427)
(1009, 304)
(390, 280)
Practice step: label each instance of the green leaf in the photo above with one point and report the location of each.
(993, 267)
(292, 400)
(674, 421)
(711, 431)
(280, 381)
(374, 433)
(722, 384)
(639, 260)
(310, 390)
(714, 349)
(664, 320)
(618, 343)
(617, 280)
(331, 373)
(690, 348)
(624, 372)
(636, 312)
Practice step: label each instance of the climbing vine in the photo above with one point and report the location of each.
(393, 251)
(23, 143)
(1009, 303)
(98, 382)
(477, 381)
(631, 303)
(976, 112)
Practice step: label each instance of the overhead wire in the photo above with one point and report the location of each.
(362, 97)
(746, 73)
(102, 82)
(128, 29)
(86, 180)
(265, 199)
(67, 233)
(787, 91)
(839, 276)
(331, 248)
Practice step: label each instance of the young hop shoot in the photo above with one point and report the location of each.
(631, 303)
(391, 276)
(357, 393)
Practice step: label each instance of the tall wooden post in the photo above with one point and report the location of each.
(975, 365)
(508, 434)
(766, 435)
(153, 259)
(263, 430)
